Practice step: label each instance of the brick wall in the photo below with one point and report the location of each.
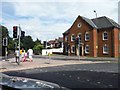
(102, 42)
(116, 42)
(83, 29)
(95, 43)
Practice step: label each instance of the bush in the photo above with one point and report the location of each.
(38, 49)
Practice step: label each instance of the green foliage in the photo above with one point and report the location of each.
(27, 42)
(10, 44)
(4, 31)
(3, 34)
(37, 42)
(38, 49)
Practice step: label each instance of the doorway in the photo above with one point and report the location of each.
(80, 49)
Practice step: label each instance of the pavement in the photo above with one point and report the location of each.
(64, 57)
(10, 64)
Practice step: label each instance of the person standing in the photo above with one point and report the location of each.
(25, 56)
(22, 53)
(30, 54)
(16, 55)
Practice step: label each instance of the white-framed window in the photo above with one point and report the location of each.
(105, 49)
(80, 36)
(105, 35)
(72, 37)
(73, 49)
(87, 49)
(66, 38)
(87, 36)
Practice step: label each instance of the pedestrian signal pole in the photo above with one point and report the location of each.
(19, 43)
(79, 47)
(17, 34)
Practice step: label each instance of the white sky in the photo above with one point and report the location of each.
(48, 19)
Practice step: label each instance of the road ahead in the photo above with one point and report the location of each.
(102, 75)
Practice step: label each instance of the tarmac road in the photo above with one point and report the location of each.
(102, 75)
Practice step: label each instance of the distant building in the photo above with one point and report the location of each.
(98, 37)
(57, 43)
(54, 47)
(51, 43)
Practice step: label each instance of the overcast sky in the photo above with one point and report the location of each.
(48, 19)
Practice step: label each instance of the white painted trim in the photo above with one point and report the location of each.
(85, 36)
(85, 49)
(72, 37)
(104, 36)
(72, 49)
(104, 52)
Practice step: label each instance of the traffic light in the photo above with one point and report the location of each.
(22, 34)
(15, 32)
(5, 42)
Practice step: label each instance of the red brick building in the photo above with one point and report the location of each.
(98, 37)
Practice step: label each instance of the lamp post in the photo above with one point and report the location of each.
(95, 13)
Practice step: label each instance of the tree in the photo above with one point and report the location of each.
(3, 34)
(37, 42)
(4, 31)
(11, 44)
(38, 49)
(27, 42)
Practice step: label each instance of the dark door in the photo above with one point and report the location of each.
(80, 51)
